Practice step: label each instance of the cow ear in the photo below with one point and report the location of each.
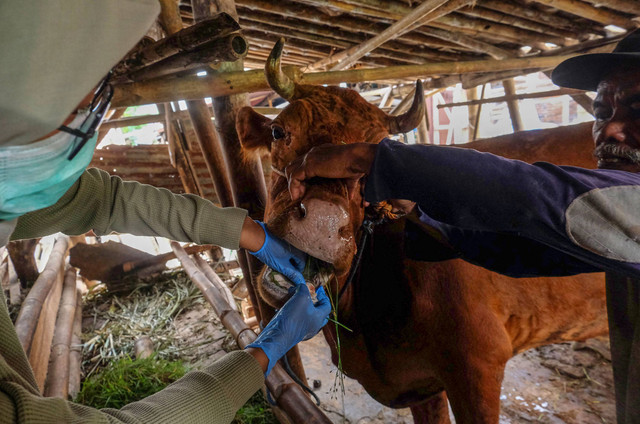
(253, 129)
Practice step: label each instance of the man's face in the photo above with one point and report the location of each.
(616, 131)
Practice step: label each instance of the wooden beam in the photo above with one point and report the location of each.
(227, 83)
(228, 48)
(58, 375)
(331, 37)
(542, 94)
(603, 16)
(300, 12)
(190, 39)
(535, 15)
(626, 6)
(32, 306)
(350, 56)
(500, 17)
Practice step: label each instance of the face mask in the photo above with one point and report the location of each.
(36, 175)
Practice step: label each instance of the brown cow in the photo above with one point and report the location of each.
(423, 331)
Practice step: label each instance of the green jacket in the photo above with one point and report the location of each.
(102, 203)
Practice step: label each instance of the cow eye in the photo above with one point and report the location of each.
(277, 132)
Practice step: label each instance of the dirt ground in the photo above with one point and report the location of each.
(562, 383)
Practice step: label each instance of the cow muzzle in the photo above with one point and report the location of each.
(322, 228)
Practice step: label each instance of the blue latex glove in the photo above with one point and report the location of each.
(279, 255)
(299, 319)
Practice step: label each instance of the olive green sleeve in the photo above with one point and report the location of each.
(211, 395)
(104, 204)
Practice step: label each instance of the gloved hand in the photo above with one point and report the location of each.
(279, 255)
(299, 319)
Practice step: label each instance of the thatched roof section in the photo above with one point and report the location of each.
(332, 35)
(442, 42)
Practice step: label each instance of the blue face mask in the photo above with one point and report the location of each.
(36, 175)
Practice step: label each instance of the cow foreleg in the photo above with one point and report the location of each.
(474, 393)
(434, 410)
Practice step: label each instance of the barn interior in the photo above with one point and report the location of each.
(485, 69)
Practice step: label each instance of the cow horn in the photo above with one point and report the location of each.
(411, 118)
(278, 80)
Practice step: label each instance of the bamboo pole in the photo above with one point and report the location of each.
(350, 56)
(626, 6)
(300, 15)
(584, 10)
(535, 15)
(185, 40)
(216, 281)
(249, 81)
(476, 126)
(542, 94)
(187, 174)
(512, 104)
(57, 384)
(75, 356)
(229, 48)
(471, 43)
(502, 18)
(32, 306)
(337, 38)
(288, 395)
(454, 21)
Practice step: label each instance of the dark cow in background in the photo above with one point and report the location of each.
(423, 331)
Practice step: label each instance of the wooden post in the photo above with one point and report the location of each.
(33, 304)
(477, 123)
(514, 110)
(178, 146)
(75, 356)
(247, 177)
(57, 384)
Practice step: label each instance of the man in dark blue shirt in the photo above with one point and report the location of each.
(526, 220)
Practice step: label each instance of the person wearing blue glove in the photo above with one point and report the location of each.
(298, 320)
(50, 117)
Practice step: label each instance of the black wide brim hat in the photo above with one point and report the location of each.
(585, 72)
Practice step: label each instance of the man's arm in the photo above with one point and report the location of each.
(588, 214)
(104, 204)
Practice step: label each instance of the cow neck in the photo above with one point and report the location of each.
(366, 230)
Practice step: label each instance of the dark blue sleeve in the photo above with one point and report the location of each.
(511, 205)
(506, 254)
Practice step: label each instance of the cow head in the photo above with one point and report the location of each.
(325, 222)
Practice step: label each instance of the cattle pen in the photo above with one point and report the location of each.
(469, 73)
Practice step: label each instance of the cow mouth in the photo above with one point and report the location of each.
(275, 287)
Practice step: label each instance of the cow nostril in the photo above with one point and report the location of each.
(344, 232)
(303, 210)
